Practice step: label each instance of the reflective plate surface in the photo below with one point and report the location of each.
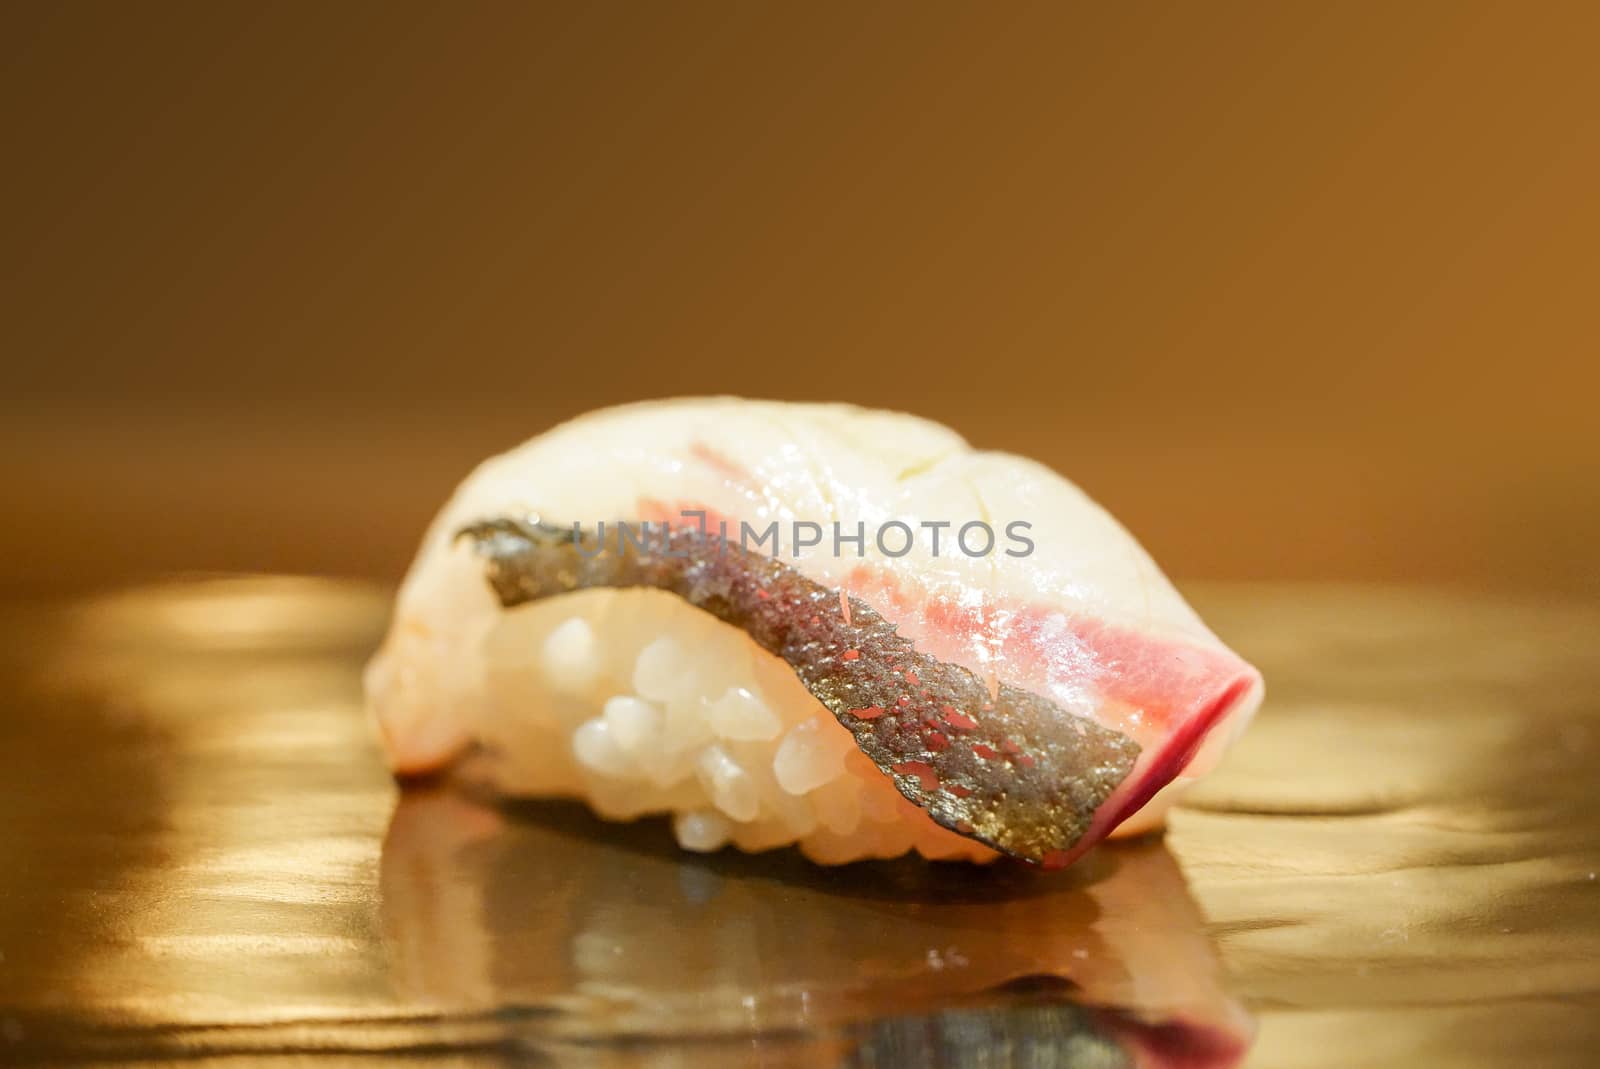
(204, 863)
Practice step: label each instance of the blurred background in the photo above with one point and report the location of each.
(1298, 291)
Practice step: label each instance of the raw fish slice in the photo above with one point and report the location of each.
(1085, 625)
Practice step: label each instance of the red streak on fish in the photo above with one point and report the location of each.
(958, 790)
(678, 514)
(922, 770)
(850, 655)
(1167, 762)
(871, 712)
(911, 677)
(985, 751)
(937, 741)
(1162, 678)
(958, 720)
(729, 469)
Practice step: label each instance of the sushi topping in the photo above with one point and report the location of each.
(1025, 777)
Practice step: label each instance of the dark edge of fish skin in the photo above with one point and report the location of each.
(1033, 799)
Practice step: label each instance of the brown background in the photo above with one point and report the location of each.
(1297, 290)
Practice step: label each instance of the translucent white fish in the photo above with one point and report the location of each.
(1055, 688)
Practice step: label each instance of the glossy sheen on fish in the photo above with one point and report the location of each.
(1011, 769)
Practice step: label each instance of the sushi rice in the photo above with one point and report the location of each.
(726, 740)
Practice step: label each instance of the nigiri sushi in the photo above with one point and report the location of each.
(804, 624)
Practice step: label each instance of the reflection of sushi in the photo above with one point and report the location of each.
(1105, 965)
(804, 623)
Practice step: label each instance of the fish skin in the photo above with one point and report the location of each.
(1011, 770)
